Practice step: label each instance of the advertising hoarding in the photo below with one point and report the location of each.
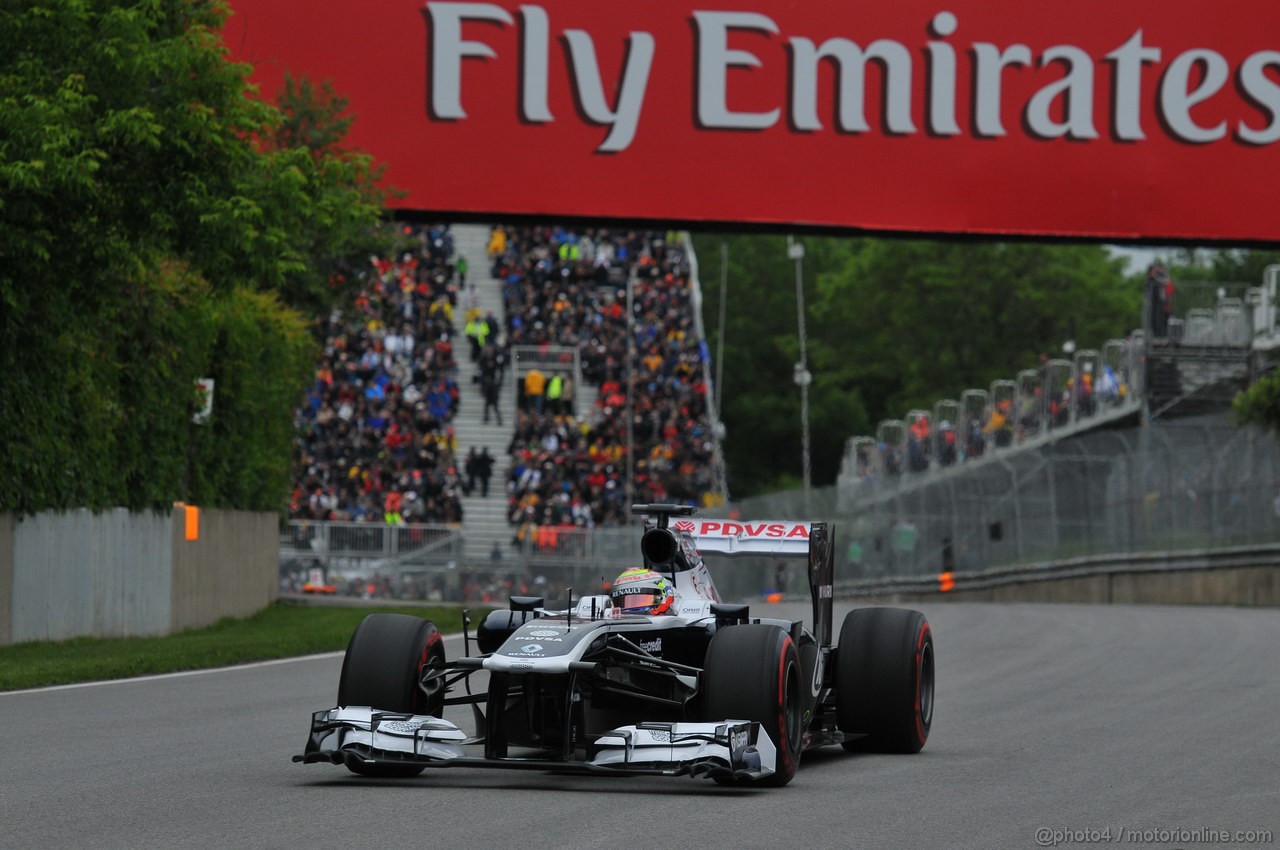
(1118, 120)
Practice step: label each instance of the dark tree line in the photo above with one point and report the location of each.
(892, 324)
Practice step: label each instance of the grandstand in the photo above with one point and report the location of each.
(568, 292)
(1095, 388)
(560, 485)
(560, 478)
(375, 436)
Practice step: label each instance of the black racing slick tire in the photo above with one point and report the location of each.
(884, 679)
(753, 673)
(382, 669)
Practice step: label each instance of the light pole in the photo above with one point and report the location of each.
(724, 288)
(795, 250)
(631, 356)
(717, 427)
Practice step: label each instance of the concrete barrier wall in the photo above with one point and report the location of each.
(1237, 586)
(231, 571)
(119, 574)
(81, 573)
(1254, 586)
(6, 579)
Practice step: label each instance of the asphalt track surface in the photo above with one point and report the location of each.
(1048, 717)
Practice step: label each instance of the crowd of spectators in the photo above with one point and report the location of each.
(374, 440)
(1048, 398)
(454, 585)
(569, 288)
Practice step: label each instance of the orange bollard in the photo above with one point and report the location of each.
(946, 582)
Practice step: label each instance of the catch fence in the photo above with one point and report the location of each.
(1195, 483)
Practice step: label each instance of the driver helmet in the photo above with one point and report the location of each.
(642, 591)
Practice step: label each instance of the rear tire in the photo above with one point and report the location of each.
(382, 668)
(884, 679)
(753, 673)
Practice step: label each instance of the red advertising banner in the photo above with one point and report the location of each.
(1122, 119)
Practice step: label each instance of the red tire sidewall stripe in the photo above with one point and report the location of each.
(416, 698)
(784, 746)
(924, 634)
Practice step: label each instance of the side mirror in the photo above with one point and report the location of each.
(727, 615)
(526, 603)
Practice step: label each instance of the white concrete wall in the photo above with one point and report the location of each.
(231, 571)
(7, 521)
(80, 573)
(122, 574)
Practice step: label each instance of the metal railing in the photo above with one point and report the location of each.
(1195, 484)
(1191, 483)
(1264, 555)
(549, 360)
(550, 546)
(323, 541)
(1062, 397)
(1207, 314)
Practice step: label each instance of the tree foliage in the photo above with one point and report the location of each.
(146, 195)
(916, 321)
(1242, 266)
(1260, 403)
(892, 324)
(314, 118)
(1220, 266)
(760, 400)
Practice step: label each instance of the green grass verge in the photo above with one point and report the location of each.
(281, 631)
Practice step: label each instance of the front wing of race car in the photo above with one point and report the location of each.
(736, 749)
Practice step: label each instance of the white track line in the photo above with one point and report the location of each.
(184, 673)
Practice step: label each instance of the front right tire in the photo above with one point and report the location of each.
(382, 669)
(884, 679)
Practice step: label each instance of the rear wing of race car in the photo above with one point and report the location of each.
(814, 541)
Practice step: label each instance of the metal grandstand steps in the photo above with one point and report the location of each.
(585, 400)
(484, 520)
(1185, 380)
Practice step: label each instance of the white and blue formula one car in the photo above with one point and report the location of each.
(704, 689)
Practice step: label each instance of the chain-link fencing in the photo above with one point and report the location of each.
(1179, 484)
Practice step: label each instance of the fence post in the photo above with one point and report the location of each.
(1017, 504)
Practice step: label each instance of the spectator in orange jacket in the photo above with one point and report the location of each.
(535, 385)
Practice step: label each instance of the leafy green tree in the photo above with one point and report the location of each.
(145, 194)
(892, 324)
(914, 321)
(1238, 266)
(760, 399)
(1260, 403)
(314, 117)
(328, 193)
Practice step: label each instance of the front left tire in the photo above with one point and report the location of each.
(752, 672)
